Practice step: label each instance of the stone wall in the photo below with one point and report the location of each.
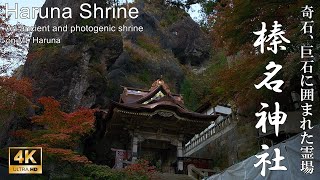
(232, 144)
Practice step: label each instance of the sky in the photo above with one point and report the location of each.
(38, 3)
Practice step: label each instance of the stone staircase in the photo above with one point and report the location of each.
(168, 176)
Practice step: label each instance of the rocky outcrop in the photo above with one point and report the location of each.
(190, 48)
(176, 31)
(64, 36)
(88, 69)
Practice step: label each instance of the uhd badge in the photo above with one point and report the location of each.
(25, 160)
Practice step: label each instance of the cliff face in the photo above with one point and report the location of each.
(87, 69)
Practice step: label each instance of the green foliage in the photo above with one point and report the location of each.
(208, 6)
(219, 61)
(150, 44)
(146, 49)
(145, 77)
(189, 96)
(137, 54)
(41, 54)
(98, 172)
(196, 88)
(99, 39)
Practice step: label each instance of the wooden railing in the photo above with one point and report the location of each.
(207, 133)
(198, 173)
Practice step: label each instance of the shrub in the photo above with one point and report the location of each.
(141, 169)
(14, 95)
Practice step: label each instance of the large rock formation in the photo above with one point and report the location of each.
(87, 69)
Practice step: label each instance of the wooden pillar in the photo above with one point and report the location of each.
(180, 155)
(134, 148)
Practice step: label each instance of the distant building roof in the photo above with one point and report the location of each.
(218, 109)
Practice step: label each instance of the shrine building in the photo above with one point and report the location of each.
(157, 124)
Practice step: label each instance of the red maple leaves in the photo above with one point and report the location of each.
(22, 86)
(59, 133)
(79, 122)
(141, 168)
(63, 131)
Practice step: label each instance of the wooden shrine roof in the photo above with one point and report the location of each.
(157, 104)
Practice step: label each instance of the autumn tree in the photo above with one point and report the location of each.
(15, 103)
(15, 95)
(60, 133)
(232, 25)
(142, 168)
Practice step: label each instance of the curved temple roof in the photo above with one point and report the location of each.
(160, 104)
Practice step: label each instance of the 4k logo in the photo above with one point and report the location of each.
(25, 160)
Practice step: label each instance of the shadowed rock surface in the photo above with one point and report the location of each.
(87, 69)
